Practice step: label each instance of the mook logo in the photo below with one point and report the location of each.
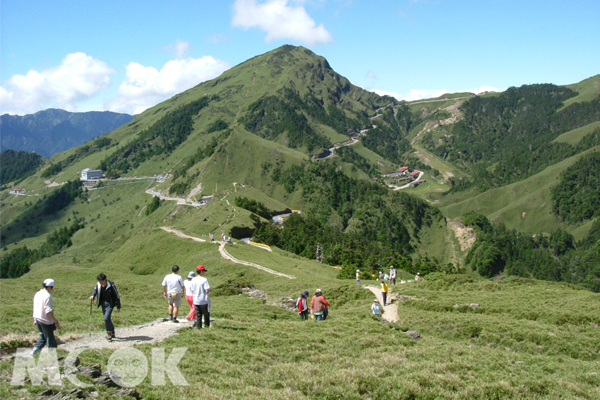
(126, 367)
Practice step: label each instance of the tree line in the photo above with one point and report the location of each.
(17, 262)
(94, 146)
(357, 223)
(18, 165)
(507, 138)
(577, 197)
(162, 137)
(555, 257)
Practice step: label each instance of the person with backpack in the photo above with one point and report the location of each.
(319, 305)
(392, 275)
(302, 306)
(107, 296)
(43, 317)
(172, 291)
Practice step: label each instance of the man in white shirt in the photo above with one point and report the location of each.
(200, 290)
(172, 290)
(43, 317)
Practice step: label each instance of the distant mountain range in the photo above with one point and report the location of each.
(51, 131)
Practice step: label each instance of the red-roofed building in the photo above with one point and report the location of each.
(403, 169)
(17, 191)
(414, 173)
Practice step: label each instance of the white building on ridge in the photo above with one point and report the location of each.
(88, 174)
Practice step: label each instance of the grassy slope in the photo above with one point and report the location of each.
(525, 205)
(573, 137)
(251, 355)
(527, 339)
(588, 89)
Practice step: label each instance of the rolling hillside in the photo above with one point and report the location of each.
(225, 156)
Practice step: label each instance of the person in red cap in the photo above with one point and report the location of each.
(200, 290)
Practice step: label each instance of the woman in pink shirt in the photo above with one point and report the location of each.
(189, 297)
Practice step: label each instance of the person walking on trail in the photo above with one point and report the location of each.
(358, 276)
(384, 292)
(107, 296)
(172, 290)
(43, 317)
(188, 296)
(380, 275)
(392, 275)
(375, 307)
(302, 305)
(200, 291)
(418, 276)
(319, 305)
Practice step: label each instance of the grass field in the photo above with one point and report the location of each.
(573, 137)
(525, 205)
(527, 339)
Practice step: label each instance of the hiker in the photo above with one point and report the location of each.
(108, 298)
(375, 307)
(319, 305)
(43, 317)
(172, 290)
(358, 276)
(200, 290)
(380, 276)
(188, 296)
(392, 275)
(384, 292)
(302, 305)
(418, 276)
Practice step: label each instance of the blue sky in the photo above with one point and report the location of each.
(126, 56)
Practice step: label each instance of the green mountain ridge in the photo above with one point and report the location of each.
(246, 142)
(256, 127)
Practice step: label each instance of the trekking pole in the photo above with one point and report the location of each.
(91, 301)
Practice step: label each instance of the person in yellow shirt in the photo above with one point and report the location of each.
(384, 292)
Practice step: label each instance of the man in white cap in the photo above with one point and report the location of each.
(43, 317)
(358, 276)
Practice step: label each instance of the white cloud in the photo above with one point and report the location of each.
(386, 93)
(485, 88)
(145, 87)
(280, 20)
(217, 38)
(371, 75)
(179, 49)
(77, 78)
(416, 94)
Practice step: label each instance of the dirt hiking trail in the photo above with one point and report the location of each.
(390, 311)
(225, 254)
(150, 333)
